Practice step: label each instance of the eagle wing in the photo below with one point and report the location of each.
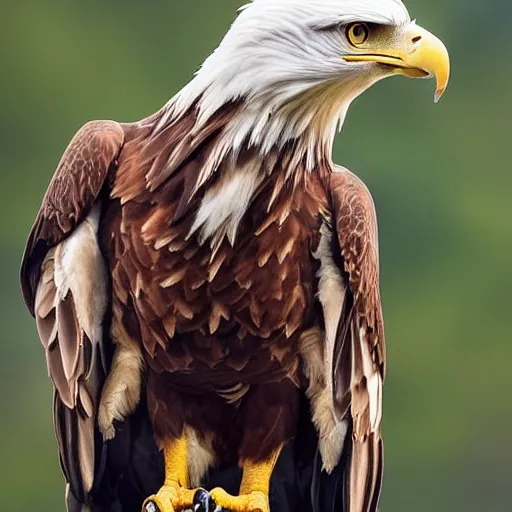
(354, 344)
(74, 188)
(65, 286)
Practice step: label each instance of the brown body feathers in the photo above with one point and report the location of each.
(223, 328)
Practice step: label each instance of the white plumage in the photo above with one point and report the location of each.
(275, 53)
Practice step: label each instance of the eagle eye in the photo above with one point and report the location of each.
(358, 33)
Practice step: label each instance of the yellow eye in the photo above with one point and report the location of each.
(358, 33)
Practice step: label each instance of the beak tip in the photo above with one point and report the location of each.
(438, 94)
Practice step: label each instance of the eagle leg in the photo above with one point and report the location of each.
(174, 495)
(254, 489)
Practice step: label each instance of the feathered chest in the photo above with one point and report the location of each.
(232, 273)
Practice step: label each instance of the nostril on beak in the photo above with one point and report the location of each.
(416, 39)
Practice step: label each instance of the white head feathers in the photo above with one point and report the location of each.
(283, 58)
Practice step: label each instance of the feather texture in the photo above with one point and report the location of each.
(219, 299)
(359, 350)
(65, 285)
(74, 279)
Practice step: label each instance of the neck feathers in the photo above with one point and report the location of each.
(216, 173)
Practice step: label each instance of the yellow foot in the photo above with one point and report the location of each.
(170, 498)
(255, 501)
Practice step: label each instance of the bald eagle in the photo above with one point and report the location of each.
(205, 282)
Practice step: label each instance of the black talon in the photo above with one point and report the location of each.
(203, 501)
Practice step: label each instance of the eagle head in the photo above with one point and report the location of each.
(298, 64)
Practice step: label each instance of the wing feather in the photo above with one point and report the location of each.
(65, 284)
(358, 362)
(73, 190)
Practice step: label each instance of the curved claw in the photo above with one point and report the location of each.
(203, 501)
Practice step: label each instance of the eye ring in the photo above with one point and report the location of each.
(358, 33)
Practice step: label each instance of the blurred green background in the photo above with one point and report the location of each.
(441, 179)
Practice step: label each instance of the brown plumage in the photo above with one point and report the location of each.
(205, 282)
(218, 322)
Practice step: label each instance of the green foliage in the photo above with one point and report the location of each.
(441, 180)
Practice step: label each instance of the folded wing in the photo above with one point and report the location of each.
(354, 344)
(65, 285)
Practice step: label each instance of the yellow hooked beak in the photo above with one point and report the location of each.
(413, 52)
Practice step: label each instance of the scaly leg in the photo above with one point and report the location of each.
(174, 495)
(254, 489)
